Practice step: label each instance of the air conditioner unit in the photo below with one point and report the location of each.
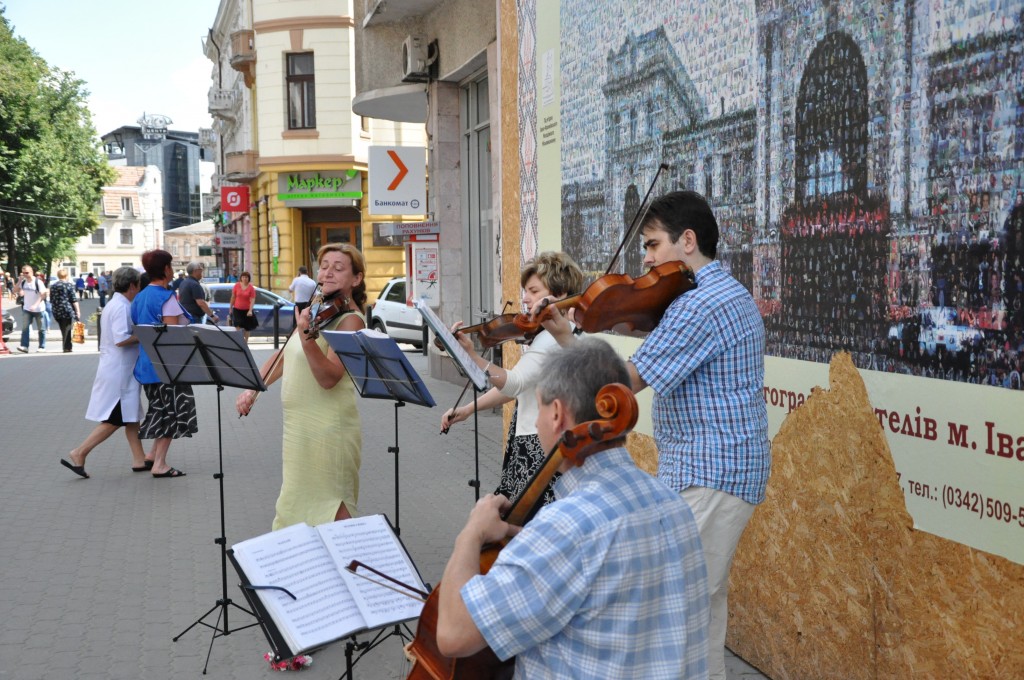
(414, 60)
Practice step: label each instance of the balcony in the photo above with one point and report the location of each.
(243, 54)
(208, 138)
(223, 103)
(210, 203)
(241, 166)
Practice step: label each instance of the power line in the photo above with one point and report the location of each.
(37, 214)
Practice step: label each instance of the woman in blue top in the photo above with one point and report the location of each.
(172, 408)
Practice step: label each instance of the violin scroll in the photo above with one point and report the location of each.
(617, 407)
(324, 312)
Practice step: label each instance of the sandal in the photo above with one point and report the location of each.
(173, 472)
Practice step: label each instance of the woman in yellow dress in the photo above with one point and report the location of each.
(322, 435)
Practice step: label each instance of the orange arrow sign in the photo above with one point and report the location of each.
(402, 171)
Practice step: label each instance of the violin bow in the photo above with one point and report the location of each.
(508, 303)
(637, 218)
(457, 401)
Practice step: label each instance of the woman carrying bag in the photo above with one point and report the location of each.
(64, 303)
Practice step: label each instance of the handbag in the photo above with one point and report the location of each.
(78, 332)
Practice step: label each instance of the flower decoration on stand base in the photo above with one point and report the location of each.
(296, 663)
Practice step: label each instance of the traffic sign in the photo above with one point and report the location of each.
(398, 180)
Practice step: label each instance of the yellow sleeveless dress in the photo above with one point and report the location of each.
(322, 442)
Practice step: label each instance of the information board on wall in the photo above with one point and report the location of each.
(961, 469)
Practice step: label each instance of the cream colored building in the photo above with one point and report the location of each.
(132, 223)
(281, 97)
(184, 245)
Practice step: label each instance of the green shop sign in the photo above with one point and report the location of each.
(304, 186)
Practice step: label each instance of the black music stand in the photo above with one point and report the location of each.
(205, 355)
(474, 375)
(380, 370)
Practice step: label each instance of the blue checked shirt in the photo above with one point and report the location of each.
(705, 363)
(606, 582)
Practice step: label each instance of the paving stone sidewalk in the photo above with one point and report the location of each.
(99, 575)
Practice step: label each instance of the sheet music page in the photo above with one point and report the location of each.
(454, 349)
(372, 541)
(295, 558)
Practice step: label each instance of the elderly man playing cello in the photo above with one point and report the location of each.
(608, 581)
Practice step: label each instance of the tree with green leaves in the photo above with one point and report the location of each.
(52, 169)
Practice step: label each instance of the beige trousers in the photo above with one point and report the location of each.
(721, 519)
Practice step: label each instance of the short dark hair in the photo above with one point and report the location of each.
(677, 211)
(303, 270)
(155, 262)
(246, 275)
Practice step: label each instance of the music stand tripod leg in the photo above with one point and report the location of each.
(224, 602)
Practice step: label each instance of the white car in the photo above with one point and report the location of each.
(391, 315)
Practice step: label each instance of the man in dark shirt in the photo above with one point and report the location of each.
(192, 296)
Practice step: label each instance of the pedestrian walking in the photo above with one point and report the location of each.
(33, 307)
(103, 287)
(115, 400)
(64, 303)
(172, 408)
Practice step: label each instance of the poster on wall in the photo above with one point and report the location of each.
(868, 181)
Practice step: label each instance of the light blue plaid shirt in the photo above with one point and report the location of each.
(705, 363)
(606, 582)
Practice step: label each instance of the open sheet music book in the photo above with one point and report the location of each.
(331, 602)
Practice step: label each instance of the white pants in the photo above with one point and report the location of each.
(721, 519)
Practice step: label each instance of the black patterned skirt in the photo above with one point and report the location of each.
(523, 457)
(171, 412)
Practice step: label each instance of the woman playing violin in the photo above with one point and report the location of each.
(549, 274)
(607, 581)
(322, 433)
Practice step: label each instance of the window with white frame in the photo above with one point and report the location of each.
(127, 237)
(126, 206)
(99, 237)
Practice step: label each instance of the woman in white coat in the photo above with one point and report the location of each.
(115, 400)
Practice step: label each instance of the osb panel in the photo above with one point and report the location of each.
(644, 452)
(831, 581)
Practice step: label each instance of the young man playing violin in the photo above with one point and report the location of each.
(606, 582)
(705, 363)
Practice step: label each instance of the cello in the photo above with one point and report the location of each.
(617, 407)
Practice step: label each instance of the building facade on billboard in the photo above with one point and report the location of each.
(284, 126)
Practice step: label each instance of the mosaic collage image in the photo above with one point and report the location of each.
(864, 160)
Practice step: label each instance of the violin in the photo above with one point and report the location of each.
(614, 302)
(324, 311)
(618, 410)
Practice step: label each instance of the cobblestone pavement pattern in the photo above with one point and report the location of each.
(99, 575)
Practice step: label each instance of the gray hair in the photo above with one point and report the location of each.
(124, 277)
(575, 374)
(194, 265)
